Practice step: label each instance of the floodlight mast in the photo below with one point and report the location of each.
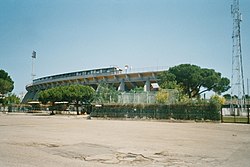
(32, 73)
(237, 78)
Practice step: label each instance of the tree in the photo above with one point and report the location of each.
(194, 80)
(75, 94)
(247, 97)
(167, 80)
(51, 95)
(79, 94)
(227, 96)
(106, 93)
(43, 96)
(11, 99)
(6, 83)
(212, 80)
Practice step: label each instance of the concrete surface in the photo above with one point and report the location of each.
(48, 141)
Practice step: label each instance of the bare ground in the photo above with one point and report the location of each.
(27, 141)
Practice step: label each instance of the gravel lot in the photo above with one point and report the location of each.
(49, 141)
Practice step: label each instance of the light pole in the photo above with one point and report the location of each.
(33, 57)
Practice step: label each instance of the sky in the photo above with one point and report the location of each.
(74, 35)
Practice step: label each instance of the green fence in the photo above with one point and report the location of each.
(180, 112)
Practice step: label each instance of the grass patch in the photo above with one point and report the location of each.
(237, 119)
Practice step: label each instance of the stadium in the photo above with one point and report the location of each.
(122, 80)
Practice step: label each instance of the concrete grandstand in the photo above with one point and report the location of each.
(122, 80)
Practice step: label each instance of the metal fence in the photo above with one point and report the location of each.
(146, 97)
(137, 98)
(235, 114)
(15, 108)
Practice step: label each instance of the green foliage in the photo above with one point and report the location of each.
(207, 111)
(187, 76)
(184, 99)
(44, 96)
(193, 80)
(73, 94)
(238, 119)
(162, 96)
(79, 93)
(167, 80)
(227, 96)
(51, 95)
(6, 83)
(217, 99)
(222, 86)
(137, 90)
(105, 93)
(11, 99)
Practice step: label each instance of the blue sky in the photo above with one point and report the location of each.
(72, 35)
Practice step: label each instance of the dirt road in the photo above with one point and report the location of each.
(48, 141)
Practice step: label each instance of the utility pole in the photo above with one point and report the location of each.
(237, 78)
(32, 73)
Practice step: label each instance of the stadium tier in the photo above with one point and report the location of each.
(121, 80)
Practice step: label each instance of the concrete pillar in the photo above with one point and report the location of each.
(122, 86)
(147, 86)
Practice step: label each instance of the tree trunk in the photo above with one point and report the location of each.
(52, 111)
(77, 108)
(190, 94)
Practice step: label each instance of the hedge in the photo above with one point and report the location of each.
(207, 111)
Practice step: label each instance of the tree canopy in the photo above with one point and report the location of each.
(70, 93)
(193, 80)
(6, 83)
(11, 99)
(73, 94)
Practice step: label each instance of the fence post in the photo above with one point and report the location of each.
(234, 115)
(221, 114)
(248, 114)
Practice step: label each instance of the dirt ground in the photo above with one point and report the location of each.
(49, 141)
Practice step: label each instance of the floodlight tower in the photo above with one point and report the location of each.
(32, 73)
(237, 78)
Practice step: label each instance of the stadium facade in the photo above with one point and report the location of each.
(122, 80)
